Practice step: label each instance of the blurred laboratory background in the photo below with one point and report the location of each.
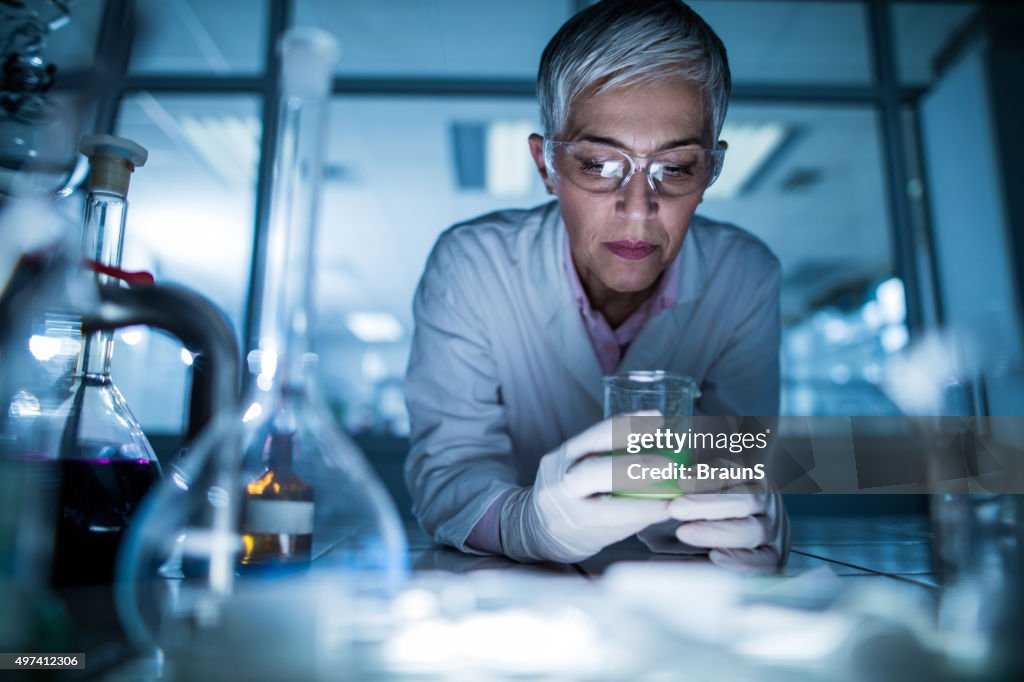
(871, 145)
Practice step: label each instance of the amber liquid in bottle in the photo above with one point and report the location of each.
(278, 515)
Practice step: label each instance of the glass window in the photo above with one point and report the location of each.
(191, 36)
(400, 171)
(190, 222)
(809, 182)
(438, 37)
(792, 42)
(922, 31)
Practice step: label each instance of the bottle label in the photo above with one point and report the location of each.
(278, 517)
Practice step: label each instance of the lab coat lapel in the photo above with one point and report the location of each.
(563, 324)
(658, 342)
(576, 350)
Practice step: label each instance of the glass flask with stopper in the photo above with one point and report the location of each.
(105, 463)
(277, 501)
(55, 295)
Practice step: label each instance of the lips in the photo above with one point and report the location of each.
(631, 250)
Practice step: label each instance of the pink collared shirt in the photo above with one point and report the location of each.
(610, 345)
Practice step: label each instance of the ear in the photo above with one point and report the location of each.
(537, 152)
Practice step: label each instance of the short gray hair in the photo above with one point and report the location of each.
(624, 42)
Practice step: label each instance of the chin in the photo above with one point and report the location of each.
(629, 282)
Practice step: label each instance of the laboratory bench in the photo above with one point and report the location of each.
(865, 584)
(858, 589)
(859, 574)
(889, 547)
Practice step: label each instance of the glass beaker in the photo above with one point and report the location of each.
(979, 561)
(671, 394)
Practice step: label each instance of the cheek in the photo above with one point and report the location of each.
(584, 216)
(677, 217)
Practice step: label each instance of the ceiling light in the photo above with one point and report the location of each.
(509, 169)
(228, 144)
(751, 145)
(374, 327)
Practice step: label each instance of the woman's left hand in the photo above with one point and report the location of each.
(746, 531)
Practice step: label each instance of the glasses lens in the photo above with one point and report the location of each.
(590, 166)
(682, 171)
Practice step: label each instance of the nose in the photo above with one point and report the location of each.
(637, 202)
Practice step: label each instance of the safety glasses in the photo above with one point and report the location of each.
(602, 169)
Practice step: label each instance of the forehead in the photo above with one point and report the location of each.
(641, 114)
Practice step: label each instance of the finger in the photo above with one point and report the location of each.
(716, 506)
(610, 434)
(661, 538)
(757, 560)
(589, 476)
(595, 475)
(745, 533)
(625, 513)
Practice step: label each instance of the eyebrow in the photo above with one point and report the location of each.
(611, 141)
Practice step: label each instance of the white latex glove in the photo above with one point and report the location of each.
(565, 516)
(747, 531)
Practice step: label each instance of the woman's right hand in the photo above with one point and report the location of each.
(567, 515)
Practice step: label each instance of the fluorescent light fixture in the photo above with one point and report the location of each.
(228, 144)
(509, 166)
(186, 357)
(374, 327)
(750, 147)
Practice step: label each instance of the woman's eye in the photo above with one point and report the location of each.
(605, 169)
(674, 171)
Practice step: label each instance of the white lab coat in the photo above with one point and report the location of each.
(502, 369)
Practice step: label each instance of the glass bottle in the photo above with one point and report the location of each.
(106, 464)
(278, 512)
(209, 525)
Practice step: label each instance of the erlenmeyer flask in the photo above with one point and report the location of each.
(105, 463)
(278, 493)
(47, 306)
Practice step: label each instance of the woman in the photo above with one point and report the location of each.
(519, 313)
